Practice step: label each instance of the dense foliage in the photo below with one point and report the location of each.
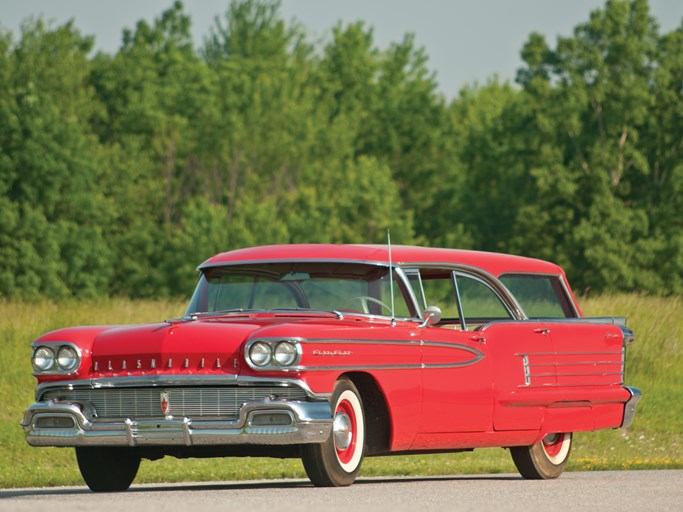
(119, 173)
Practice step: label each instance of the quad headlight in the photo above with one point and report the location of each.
(56, 358)
(261, 353)
(273, 354)
(43, 359)
(285, 353)
(67, 358)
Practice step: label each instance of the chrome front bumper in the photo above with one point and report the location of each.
(264, 422)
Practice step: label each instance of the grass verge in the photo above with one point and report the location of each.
(655, 364)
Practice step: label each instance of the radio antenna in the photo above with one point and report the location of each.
(391, 279)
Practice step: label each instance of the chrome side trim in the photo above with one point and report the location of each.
(310, 422)
(630, 406)
(478, 356)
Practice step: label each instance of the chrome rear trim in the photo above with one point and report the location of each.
(630, 406)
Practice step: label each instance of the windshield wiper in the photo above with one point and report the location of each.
(207, 314)
(334, 312)
(222, 312)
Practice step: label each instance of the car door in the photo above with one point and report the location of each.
(524, 384)
(456, 367)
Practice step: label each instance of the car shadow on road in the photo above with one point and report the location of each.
(242, 486)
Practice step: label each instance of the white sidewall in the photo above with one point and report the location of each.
(562, 454)
(359, 432)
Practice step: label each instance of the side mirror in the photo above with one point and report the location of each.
(431, 316)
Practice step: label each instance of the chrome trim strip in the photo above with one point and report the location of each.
(311, 423)
(579, 385)
(361, 341)
(375, 263)
(569, 354)
(630, 405)
(585, 374)
(590, 363)
(417, 366)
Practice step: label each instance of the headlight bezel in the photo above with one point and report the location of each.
(55, 348)
(291, 345)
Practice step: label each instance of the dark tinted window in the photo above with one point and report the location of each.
(539, 296)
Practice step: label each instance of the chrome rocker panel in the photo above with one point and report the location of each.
(310, 422)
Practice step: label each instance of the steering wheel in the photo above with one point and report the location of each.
(365, 299)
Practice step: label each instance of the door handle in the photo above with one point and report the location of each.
(478, 338)
(542, 331)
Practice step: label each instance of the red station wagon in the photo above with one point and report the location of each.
(332, 353)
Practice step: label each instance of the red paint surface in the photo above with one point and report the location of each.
(466, 404)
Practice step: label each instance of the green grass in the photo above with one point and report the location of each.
(655, 365)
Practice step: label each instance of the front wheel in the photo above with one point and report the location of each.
(544, 460)
(107, 469)
(336, 462)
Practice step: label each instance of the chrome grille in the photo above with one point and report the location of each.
(224, 402)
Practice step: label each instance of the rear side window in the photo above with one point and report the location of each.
(540, 296)
(479, 302)
(455, 293)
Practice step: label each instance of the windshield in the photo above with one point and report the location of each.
(343, 287)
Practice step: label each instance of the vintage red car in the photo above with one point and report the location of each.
(333, 353)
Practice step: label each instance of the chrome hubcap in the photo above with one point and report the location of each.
(342, 431)
(551, 438)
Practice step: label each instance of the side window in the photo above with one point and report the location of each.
(435, 287)
(479, 302)
(540, 296)
(439, 290)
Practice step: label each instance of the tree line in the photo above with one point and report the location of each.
(119, 173)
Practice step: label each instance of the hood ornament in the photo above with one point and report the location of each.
(164, 403)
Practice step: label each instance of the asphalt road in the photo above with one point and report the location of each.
(603, 491)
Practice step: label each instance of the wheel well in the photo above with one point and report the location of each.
(378, 426)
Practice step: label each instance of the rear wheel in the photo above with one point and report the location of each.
(337, 461)
(544, 460)
(107, 469)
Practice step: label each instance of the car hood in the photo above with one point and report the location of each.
(210, 345)
(188, 347)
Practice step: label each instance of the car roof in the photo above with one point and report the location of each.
(404, 255)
